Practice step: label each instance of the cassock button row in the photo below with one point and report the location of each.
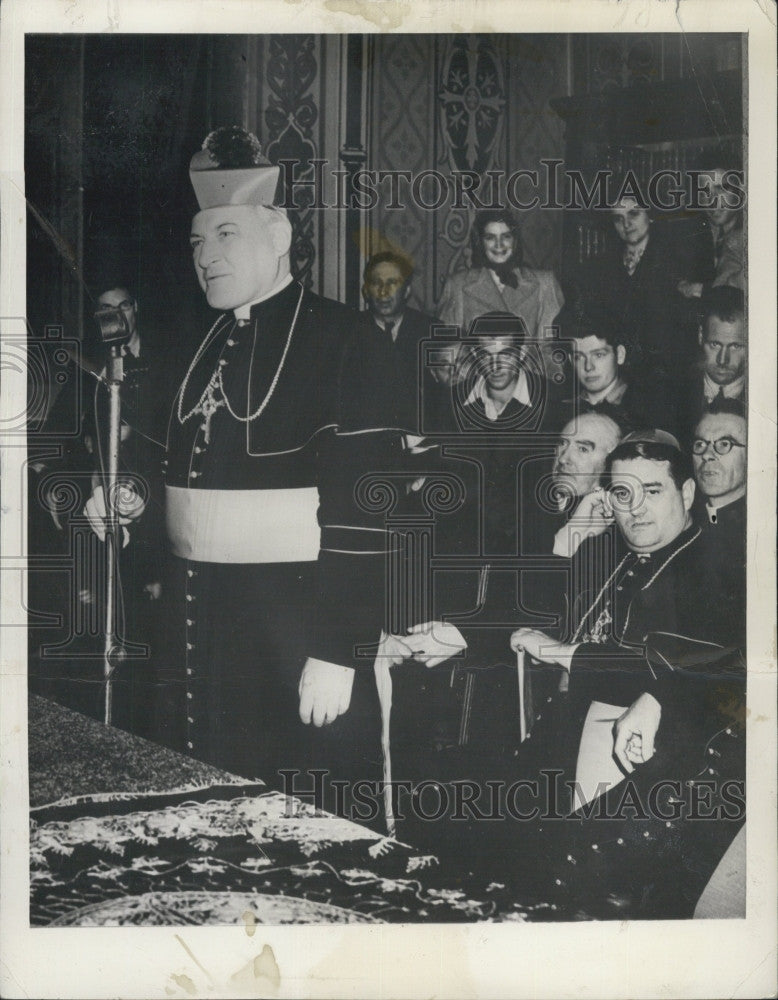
(190, 645)
(189, 671)
(189, 695)
(189, 623)
(190, 597)
(190, 720)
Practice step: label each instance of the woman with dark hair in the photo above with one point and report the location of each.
(498, 281)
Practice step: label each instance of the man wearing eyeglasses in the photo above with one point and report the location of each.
(654, 669)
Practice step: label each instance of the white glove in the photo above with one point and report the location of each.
(325, 691)
(434, 642)
(129, 504)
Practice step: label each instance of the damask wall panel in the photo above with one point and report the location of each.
(458, 103)
(402, 136)
(472, 104)
(411, 103)
(291, 120)
(537, 71)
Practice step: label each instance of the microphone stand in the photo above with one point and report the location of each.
(112, 651)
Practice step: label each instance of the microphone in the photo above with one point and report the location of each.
(113, 326)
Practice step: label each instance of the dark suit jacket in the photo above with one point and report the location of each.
(386, 378)
(644, 307)
(691, 404)
(647, 402)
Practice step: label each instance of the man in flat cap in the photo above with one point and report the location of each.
(275, 579)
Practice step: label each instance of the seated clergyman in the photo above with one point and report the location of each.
(654, 589)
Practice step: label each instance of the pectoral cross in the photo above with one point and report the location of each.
(209, 404)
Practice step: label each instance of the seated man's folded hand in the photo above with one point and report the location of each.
(635, 731)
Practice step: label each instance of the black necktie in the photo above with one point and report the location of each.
(390, 328)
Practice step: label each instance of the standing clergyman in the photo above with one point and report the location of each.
(275, 567)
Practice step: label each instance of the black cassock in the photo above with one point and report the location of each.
(664, 624)
(276, 557)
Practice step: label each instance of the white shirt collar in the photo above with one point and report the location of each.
(520, 394)
(712, 504)
(244, 311)
(612, 393)
(732, 391)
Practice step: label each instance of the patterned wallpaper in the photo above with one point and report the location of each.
(402, 135)
(428, 102)
(460, 102)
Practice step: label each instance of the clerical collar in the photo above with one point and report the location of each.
(614, 393)
(712, 504)
(660, 555)
(732, 391)
(244, 311)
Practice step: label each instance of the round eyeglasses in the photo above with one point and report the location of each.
(722, 446)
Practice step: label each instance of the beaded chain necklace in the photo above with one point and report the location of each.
(215, 396)
(595, 602)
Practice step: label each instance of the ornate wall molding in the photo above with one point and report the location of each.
(291, 117)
